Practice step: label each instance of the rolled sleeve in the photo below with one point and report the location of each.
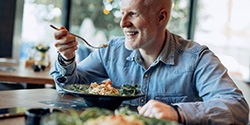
(62, 74)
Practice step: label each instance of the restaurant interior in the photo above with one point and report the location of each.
(27, 52)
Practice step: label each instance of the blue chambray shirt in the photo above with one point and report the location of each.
(185, 74)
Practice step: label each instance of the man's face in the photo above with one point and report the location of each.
(138, 24)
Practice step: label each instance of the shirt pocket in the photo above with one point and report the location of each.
(168, 99)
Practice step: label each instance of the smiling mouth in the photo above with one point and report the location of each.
(131, 33)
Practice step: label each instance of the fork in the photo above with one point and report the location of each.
(85, 41)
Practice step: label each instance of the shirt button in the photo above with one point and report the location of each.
(146, 75)
(142, 100)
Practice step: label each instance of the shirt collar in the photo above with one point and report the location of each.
(167, 53)
(172, 49)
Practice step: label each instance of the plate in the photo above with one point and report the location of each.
(110, 102)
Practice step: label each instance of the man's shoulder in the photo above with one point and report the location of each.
(188, 45)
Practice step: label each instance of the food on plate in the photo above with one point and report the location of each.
(106, 89)
(97, 116)
(115, 120)
(103, 89)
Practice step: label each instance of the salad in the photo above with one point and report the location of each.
(106, 89)
(97, 116)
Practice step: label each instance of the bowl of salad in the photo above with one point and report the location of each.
(100, 116)
(103, 95)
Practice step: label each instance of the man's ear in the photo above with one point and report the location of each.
(163, 16)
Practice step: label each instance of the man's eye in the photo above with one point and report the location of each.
(133, 14)
(130, 14)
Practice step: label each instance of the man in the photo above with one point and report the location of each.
(182, 80)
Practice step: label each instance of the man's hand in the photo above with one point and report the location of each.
(66, 44)
(158, 110)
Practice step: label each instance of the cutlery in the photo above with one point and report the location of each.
(85, 41)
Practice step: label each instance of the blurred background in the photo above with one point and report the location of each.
(224, 26)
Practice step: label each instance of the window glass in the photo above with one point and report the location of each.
(225, 28)
(179, 20)
(96, 20)
(37, 16)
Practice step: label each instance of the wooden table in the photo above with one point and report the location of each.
(24, 74)
(28, 98)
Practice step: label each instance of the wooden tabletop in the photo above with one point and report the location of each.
(24, 74)
(29, 98)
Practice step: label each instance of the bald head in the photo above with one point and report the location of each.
(159, 6)
(158, 11)
(167, 4)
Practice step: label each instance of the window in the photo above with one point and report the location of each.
(96, 20)
(224, 27)
(179, 20)
(37, 16)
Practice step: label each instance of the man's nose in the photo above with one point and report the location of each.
(125, 22)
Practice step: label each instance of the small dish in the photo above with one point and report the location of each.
(34, 115)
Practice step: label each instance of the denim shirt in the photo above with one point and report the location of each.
(185, 74)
